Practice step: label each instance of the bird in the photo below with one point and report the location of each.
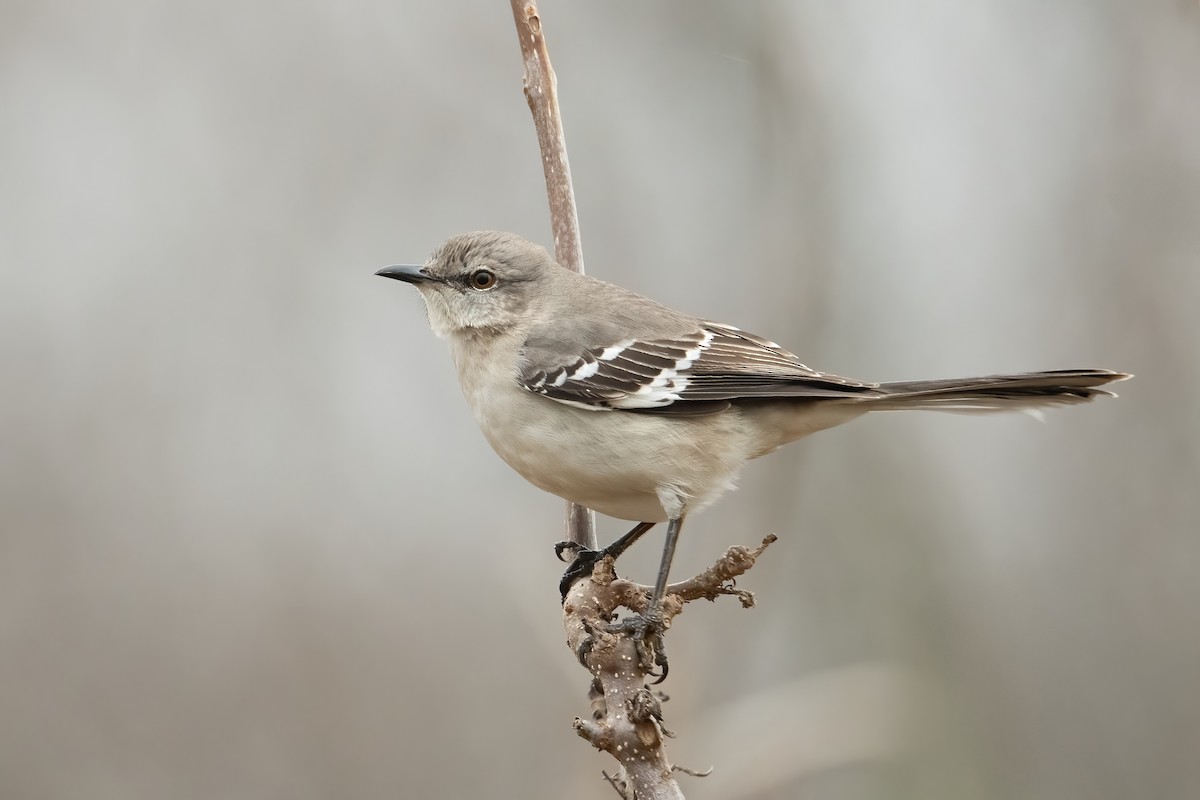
(640, 412)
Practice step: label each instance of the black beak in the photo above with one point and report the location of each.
(409, 273)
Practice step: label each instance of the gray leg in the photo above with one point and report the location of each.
(654, 609)
(649, 627)
(621, 545)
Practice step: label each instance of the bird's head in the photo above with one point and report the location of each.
(477, 281)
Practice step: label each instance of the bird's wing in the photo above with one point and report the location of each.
(698, 372)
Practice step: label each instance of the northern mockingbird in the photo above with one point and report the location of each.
(637, 411)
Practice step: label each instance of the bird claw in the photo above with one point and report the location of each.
(646, 630)
(564, 551)
(585, 649)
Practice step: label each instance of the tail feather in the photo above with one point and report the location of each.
(990, 393)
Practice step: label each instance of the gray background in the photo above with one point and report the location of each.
(252, 545)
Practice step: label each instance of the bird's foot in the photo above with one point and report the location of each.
(647, 630)
(582, 562)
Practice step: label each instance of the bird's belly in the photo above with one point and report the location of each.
(616, 463)
(633, 506)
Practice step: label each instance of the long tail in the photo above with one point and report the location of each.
(1028, 390)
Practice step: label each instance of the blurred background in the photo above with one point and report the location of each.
(252, 544)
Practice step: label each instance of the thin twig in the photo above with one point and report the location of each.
(541, 90)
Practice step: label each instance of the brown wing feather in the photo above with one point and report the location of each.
(701, 372)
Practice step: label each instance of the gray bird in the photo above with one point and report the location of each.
(615, 402)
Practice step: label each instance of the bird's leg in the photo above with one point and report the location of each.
(648, 628)
(584, 560)
(664, 568)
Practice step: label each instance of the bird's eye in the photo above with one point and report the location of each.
(482, 279)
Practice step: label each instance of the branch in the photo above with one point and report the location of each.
(541, 91)
(627, 719)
